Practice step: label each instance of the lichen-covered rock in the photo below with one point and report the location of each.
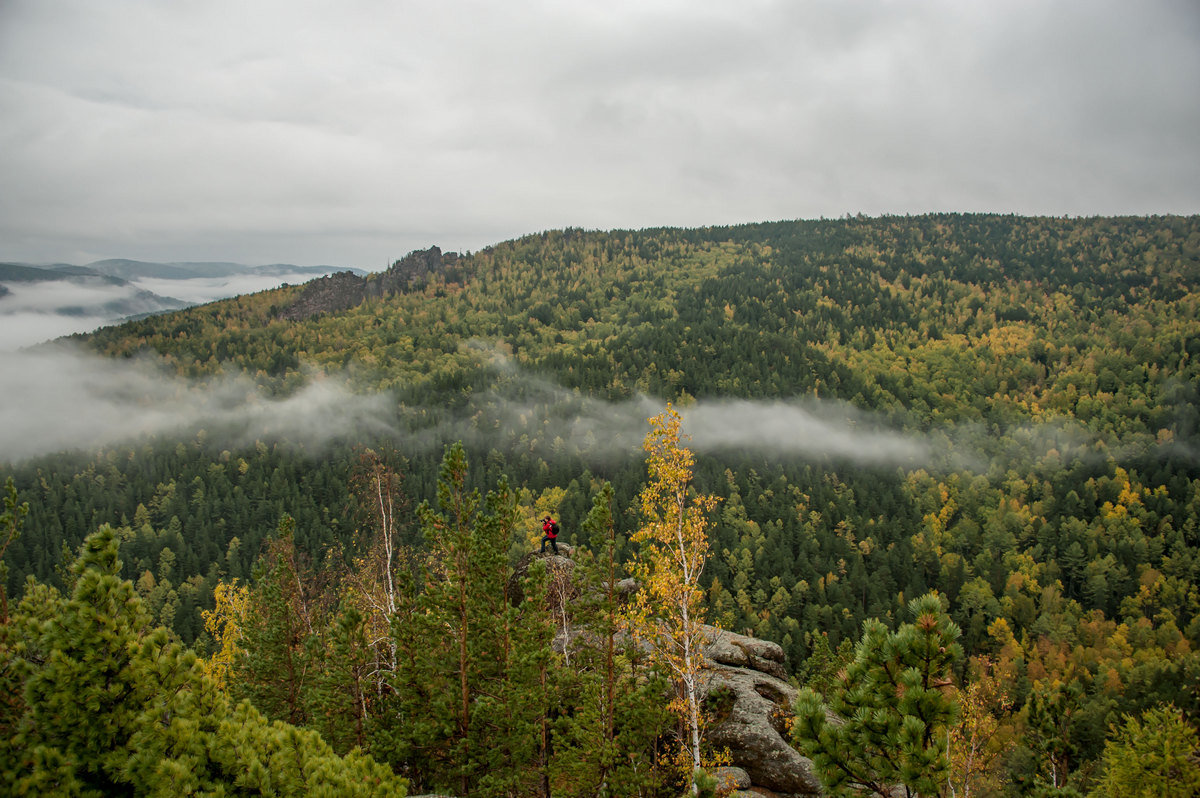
(753, 712)
(561, 569)
(728, 648)
(730, 780)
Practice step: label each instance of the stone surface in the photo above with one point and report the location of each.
(728, 648)
(753, 709)
(345, 290)
(731, 779)
(561, 568)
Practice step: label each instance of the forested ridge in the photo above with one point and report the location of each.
(1047, 365)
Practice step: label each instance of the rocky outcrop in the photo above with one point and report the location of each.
(328, 294)
(744, 688)
(561, 585)
(345, 290)
(414, 268)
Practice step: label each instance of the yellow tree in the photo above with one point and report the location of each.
(983, 736)
(224, 624)
(669, 608)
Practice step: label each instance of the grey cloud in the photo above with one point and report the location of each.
(353, 133)
(31, 313)
(206, 289)
(549, 420)
(34, 312)
(825, 430)
(62, 398)
(553, 419)
(54, 296)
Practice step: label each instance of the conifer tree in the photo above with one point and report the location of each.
(274, 667)
(1050, 712)
(669, 608)
(11, 703)
(896, 705)
(468, 688)
(606, 739)
(114, 707)
(10, 529)
(1157, 753)
(343, 693)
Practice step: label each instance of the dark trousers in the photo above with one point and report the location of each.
(553, 544)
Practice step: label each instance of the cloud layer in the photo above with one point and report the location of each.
(62, 399)
(351, 133)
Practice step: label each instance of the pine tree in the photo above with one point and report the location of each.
(896, 705)
(274, 666)
(469, 691)
(114, 707)
(342, 691)
(1050, 711)
(10, 529)
(612, 712)
(11, 703)
(1157, 753)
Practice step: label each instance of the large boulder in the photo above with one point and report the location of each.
(744, 688)
(561, 569)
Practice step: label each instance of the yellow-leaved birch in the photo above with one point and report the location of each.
(669, 608)
(224, 624)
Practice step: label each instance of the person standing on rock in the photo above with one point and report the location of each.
(549, 533)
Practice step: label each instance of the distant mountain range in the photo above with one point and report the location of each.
(96, 293)
(133, 270)
(33, 296)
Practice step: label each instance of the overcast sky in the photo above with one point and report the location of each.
(349, 133)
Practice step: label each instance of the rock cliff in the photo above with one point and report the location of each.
(344, 290)
(744, 687)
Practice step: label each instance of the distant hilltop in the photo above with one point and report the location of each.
(344, 290)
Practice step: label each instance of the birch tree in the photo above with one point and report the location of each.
(375, 581)
(669, 607)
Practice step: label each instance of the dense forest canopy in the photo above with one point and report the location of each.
(1003, 409)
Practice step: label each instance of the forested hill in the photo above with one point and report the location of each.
(965, 315)
(1003, 409)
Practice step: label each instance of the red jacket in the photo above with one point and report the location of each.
(548, 527)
